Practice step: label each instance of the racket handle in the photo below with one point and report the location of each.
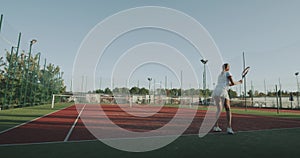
(239, 82)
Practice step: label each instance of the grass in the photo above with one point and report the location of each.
(266, 113)
(12, 117)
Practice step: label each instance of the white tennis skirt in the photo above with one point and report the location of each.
(220, 92)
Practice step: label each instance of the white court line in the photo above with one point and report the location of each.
(136, 138)
(74, 124)
(262, 130)
(45, 143)
(32, 120)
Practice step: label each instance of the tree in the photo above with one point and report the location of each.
(99, 91)
(107, 91)
(161, 91)
(191, 91)
(121, 91)
(134, 90)
(23, 81)
(175, 92)
(2, 63)
(144, 91)
(261, 94)
(232, 93)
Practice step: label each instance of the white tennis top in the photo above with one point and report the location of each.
(222, 86)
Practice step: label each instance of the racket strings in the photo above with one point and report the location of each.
(246, 70)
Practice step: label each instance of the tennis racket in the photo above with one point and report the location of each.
(245, 72)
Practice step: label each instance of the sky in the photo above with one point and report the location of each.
(266, 31)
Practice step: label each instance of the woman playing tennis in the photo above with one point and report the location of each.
(221, 97)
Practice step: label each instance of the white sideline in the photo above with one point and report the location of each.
(112, 139)
(74, 124)
(31, 120)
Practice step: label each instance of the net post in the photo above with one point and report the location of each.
(52, 104)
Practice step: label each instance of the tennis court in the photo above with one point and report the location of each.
(66, 125)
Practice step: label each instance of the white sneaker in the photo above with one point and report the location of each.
(217, 129)
(230, 131)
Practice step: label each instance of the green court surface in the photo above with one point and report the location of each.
(270, 143)
(13, 117)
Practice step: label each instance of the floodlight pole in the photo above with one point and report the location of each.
(245, 85)
(276, 91)
(204, 83)
(149, 79)
(265, 88)
(280, 94)
(296, 74)
(204, 79)
(252, 93)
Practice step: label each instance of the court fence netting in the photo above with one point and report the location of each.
(184, 101)
(132, 100)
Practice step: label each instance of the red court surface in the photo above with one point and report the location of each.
(65, 125)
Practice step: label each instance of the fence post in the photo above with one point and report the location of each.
(1, 19)
(14, 67)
